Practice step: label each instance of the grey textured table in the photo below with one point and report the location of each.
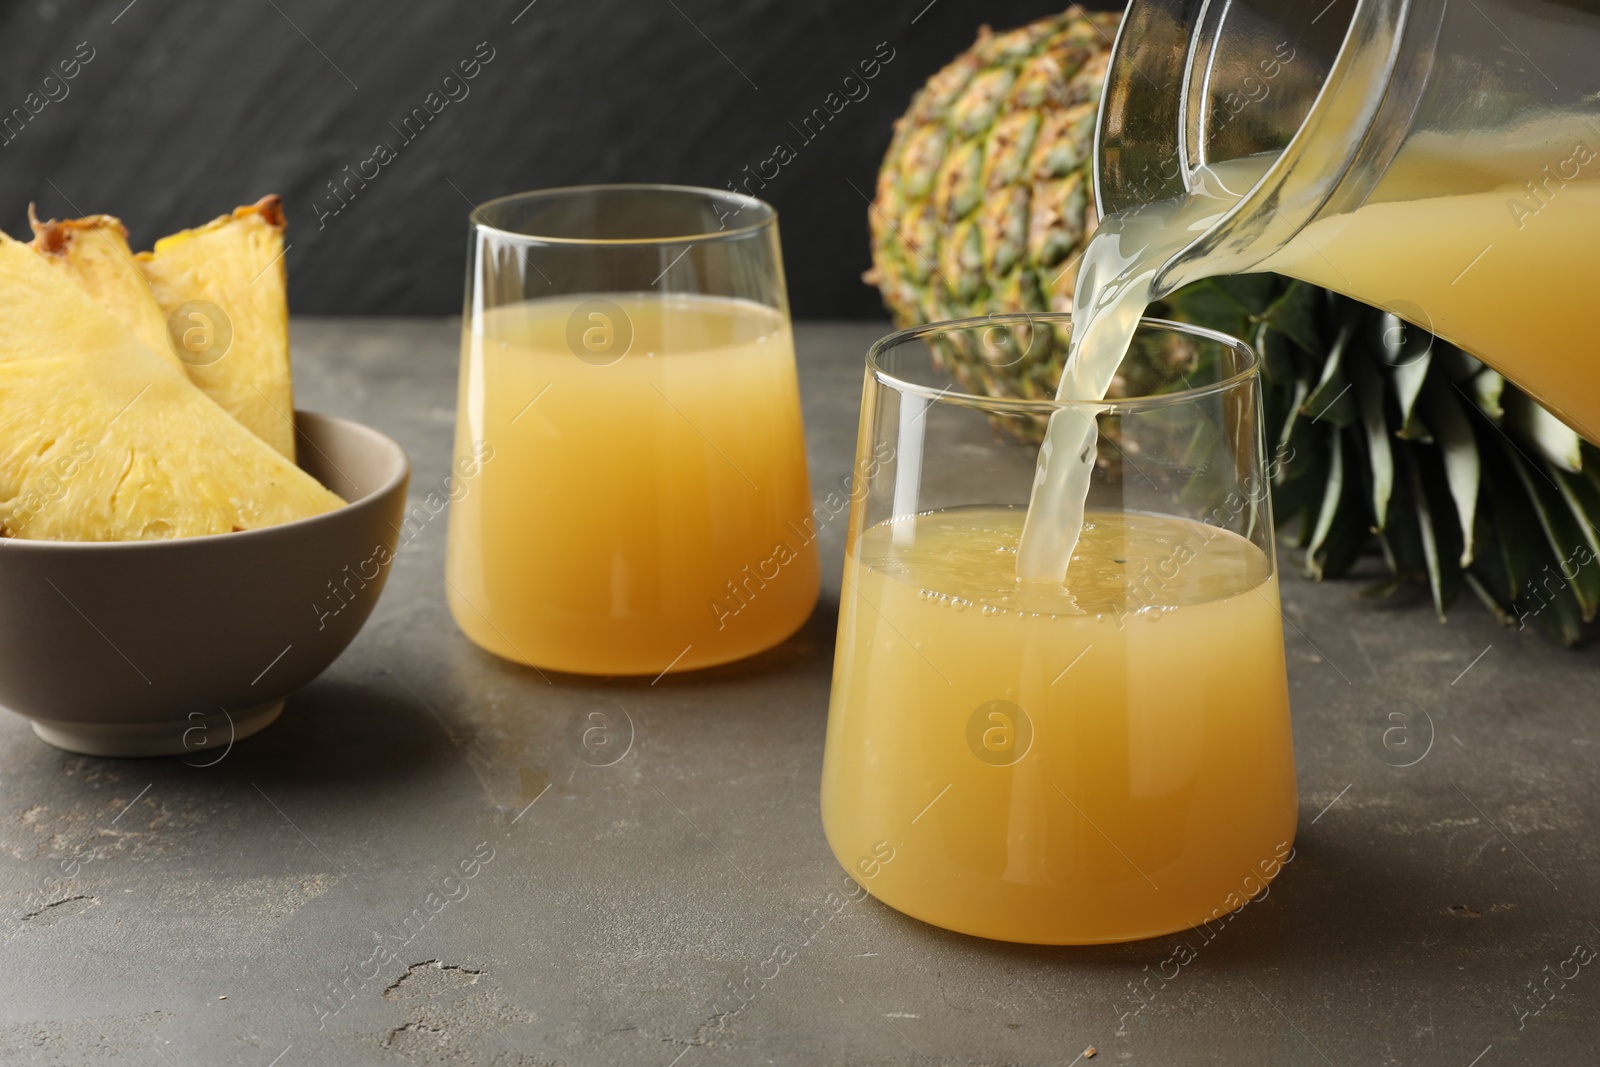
(230, 914)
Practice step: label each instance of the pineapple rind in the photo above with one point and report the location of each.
(983, 200)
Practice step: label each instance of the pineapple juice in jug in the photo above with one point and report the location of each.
(1490, 254)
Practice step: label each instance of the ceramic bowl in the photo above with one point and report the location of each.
(144, 648)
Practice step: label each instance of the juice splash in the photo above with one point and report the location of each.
(1109, 765)
(687, 452)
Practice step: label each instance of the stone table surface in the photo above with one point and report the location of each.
(227, 914)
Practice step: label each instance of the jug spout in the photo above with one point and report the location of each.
(1439, 158)
(1325, 91)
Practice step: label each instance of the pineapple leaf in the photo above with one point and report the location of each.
(1487, 597)
(1562, 537)
(1489, 566)
(1297, 439)
(1522, 542)
(1327, 510)
(1294, 315)
(1299, 498)
(1444, 578)
(1382, 590)
(1340, 533)
(1532, 424)
(1584, 500)
(1408, 379)
(1253, 292)
(1331, 398)
(1380, 453)
(1210, 304)
(1401, 539)
(1591, 468)
(1554, 608)
(1278, 353)
(1487, 389)
(1454, 363)
(1545, 597)
(1565, 623)
(1202, 440)
(1459, 447)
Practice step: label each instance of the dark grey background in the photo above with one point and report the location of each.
(190, 107)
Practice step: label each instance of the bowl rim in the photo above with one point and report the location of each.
(401, 474)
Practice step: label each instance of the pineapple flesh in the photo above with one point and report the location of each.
(233, 264)
(102, 439)
(94, 253)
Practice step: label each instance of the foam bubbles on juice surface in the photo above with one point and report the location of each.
(964, 559)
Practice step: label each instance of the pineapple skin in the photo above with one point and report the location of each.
(984, 200)
(103, 440)
(94, 253)
(236, 262)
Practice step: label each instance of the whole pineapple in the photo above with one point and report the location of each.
(1387, 435)
(984, 199)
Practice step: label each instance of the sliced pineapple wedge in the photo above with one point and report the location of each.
(94, 253)
(224, 284)
(103, 440)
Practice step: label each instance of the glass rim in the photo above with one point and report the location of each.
(1250, 369)
(768, 215)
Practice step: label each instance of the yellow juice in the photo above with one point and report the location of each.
(636, 513)
(1482, 269)
(1100, 764)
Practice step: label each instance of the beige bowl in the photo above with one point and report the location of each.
(145, 648)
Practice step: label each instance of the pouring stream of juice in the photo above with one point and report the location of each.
(1113, 289)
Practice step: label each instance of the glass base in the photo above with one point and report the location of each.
(1056, 915)
(614, 657)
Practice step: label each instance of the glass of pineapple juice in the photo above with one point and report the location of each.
(1101, 759)
(629, 491)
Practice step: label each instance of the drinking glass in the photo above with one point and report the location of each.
(1103, 759)
(629, 493)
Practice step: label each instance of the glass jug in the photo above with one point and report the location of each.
(1437, 158)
